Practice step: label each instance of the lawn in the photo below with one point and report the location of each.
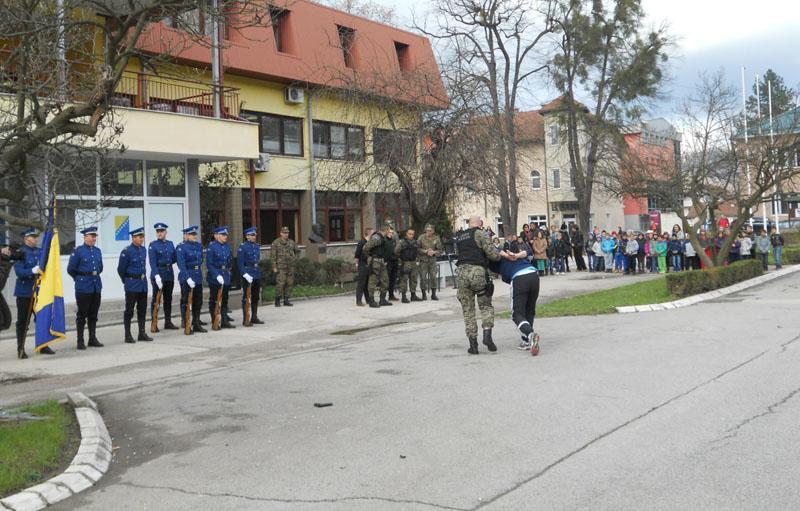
(605, 302)
(268, 292)
(30, 450)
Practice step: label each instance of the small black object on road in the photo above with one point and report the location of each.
(322, 405)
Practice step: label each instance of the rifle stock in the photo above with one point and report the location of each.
(187, 317)
(248, 297)
(216, 324)
(154, 321)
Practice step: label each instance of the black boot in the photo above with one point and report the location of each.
(226, 321)
(286, 302)
(359, 303)
(168, 325)
(392, 297)
(277, 301)
(433, 295)
(142, 334)
(254, 315)
(415, 298)
(47, 350)
(405, 298)
(384, 301)
(371, 301)
(197, 325)
(93, 342)
(473, 346)
(79, 330)
(21, 344)
(487, 340)
(424, 295)
(128, 337)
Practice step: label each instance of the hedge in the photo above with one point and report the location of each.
(791, 255)
(310, 273)
(689, 283)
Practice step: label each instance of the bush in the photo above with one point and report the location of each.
(310, 273)
(689, 283)
(791, 255)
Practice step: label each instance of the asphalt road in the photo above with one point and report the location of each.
(693, 408)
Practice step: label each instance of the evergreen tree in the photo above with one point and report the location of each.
(784, 98)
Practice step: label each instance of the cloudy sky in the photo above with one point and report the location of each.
(710, 34)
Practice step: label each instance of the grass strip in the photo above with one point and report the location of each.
(30, 449)
(268, 292)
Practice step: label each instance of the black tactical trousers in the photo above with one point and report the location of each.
(391, 269)
(363, 277)
(524, 293)
(138, 300)
(88, 304)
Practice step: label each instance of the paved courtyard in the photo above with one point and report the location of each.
(693, 408)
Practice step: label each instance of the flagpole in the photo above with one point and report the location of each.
(758, 103)
(746, 152)
(774, 157)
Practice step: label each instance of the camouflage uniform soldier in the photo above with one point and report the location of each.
(474, 250)
(378, 276)
(407, 252)
(430, 246)
(283, 256)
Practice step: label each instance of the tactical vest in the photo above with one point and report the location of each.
(409, 251)
(380, 250)
(468, 250)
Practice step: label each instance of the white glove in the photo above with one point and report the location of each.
(220, 279)
(191, 283)
(158, 282)
(248, 278)
(36, 270)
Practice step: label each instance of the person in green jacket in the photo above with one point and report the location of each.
(661, 251)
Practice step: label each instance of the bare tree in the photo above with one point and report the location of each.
(366, 8)
(59, 70)
(606, 56)
(717, 166)
(499, 44)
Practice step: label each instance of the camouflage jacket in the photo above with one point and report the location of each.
(283, 253)
(433, 243)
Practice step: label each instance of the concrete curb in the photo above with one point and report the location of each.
(87, 467)
(691, 300)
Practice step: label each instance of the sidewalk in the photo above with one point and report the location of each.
(309, 325)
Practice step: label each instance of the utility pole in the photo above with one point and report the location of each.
(746, 150)
(774, 156)
(758, 103)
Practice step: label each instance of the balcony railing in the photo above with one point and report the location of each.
(168, 94)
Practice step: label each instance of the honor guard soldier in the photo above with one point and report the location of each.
(189, 255)
(247, 256)
(376, 257)
(161, 254)
(27, 270)
(283, 256)
(407, 252)
(132, 269)
(85, 266)
(430, 246)
(219, 259)
(475, 250)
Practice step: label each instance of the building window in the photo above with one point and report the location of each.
(279, 19)
(338, 141)
(556, 178)
(402, 56)
(339, 214)
(537, 220)
(346, 39)
(394, 147)
(553, 134)
(166, 179)
(392, 208)
(275, 209)
(536, 180)
(501, 231)
(123, 178)
(279, 135)
(570, 180)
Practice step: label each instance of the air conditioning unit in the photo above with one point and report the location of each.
(262, 163)
(294, 95)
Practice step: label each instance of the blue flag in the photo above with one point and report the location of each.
(51, 324)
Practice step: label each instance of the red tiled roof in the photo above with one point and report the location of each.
(557, 104)
(313, 54)
(529, 126)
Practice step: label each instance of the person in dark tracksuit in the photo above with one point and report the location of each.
(392, 264)
(132, 269)
(247, 256)
(27, 271)
(161, 254)
(219, 260)
(515, 269)
(85, 266)
(362, 261)
(189, 255)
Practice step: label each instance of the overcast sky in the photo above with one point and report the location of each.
(710, 34)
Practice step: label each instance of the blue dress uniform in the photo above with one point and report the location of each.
(27, 270)
(219, 260)
(85, 266)
(162, 255)
(132, 269)
(247, 257)
(189, 255)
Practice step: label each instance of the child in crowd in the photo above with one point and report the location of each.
(675, 248)
(597, 247)
(745, 247)
(540, 253)
(619, 252)
(640, 255)
(631, 249)
(762, 248)
(691, 255)
(609, 249)
(562, 251)
(661, 253)
(551, 255)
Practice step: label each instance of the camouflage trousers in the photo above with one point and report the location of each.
(284, 281)
(408, 276)
(378, 276)
(428, 273)
(471, 281)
